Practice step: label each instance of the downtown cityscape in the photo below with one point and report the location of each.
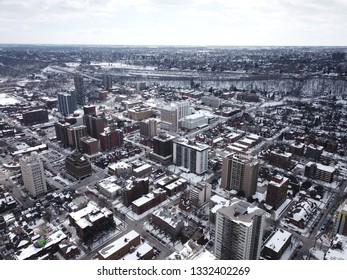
(173, 153)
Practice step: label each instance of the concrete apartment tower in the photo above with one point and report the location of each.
(240, 173)
(239, 231)
(33, 174)
(79, 89)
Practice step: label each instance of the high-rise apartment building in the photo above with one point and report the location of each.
(111, 138)
(67, 103)
(240, 173)
(95, 125)
(75, 134)
(276, 193)
(148, 128)
(340, 223)
(190, 155)
(107, 81)
(33, 174)
(79, 89)
(239, 231)
(200, 194)
(89, 145)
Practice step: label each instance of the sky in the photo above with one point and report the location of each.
(175, 22)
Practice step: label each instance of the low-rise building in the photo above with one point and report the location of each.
(91, 220)
(119, 248)
(148, 201)
(170, 220)
(134, 190)
(319, 171)
(109, 188)
(277, 245)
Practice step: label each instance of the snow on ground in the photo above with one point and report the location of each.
(7, 100)
(271, 104)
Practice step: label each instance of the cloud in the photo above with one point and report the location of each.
(51, 10)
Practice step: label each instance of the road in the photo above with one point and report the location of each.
(137, 225)
(313, 239)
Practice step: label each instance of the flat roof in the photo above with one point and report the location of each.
(277, 241)
(110, 249)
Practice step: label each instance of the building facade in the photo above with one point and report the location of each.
(190, 155)
(240, 173)
(239, 231)
(67, 104)
(148, 128)
(33, 175)
(79, 89)
(277, 191)
(78, 166)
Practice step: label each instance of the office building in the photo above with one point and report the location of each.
(78, 166)
(148, 128)
(240, 173)
(191, 156)
(162, 148)
(193, 121)
(33, 174)
(239, 231)
(140, 113)
(61, 132)
(67, 103)
(140, 86)
(276, 193)
(171, 114)
(79, 89)
(35, 117)
(212, 101)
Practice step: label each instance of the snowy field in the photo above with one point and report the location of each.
(7, 100)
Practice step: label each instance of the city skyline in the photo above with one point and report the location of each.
(169, 22)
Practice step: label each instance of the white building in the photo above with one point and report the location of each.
(239, 231)
(193, 121)
(109, 188)
(171, 114)
(200, 194)
(33, 174)
(190, 155)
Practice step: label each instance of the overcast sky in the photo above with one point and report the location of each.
(175, 22)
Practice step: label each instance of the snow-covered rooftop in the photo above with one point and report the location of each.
(118, 244)
(277, 241)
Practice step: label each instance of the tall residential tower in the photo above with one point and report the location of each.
(239, 231)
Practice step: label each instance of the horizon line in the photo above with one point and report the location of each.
(170, 45)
